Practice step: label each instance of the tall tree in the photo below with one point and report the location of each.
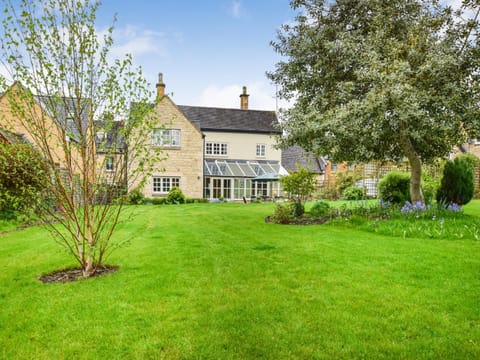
(74, 103)
(379, 80)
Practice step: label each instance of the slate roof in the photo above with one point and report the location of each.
(295, 156)
(108, 136)
(232, 120)
(13, 138)
(61, 110)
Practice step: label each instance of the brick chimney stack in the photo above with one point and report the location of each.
(160, 86)
(244, 99)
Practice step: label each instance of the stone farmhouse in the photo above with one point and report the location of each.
(214, 153)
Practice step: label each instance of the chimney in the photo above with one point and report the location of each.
(244, 99)
(160, 87)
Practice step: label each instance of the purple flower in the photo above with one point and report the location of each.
(454, 207)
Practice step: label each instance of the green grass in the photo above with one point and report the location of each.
(215, 281)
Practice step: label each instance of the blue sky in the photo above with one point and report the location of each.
(206, 49)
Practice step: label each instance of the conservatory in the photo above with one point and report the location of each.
(242, 179)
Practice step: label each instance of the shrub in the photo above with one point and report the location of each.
(175, 196)
(353, 193)
(297, 208)
(300, 185)
(429, 188)
(328, 193)
(157, 201)
(283, 213)
(320, 209)
(344, 180)
(394, 187)
(136, 197)
(458, 182)
(196, 201)
(24, 179)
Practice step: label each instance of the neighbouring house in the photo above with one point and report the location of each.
(8, 137)
(50, 131)
(215, 153)
(295, 158)
(472, 147)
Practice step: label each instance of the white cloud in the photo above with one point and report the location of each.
(236, 9)
(138, 42)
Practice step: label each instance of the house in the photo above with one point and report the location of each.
(295, 158)
(215, 153)
(46, 130)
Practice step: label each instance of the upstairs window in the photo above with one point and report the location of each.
(260, 150)
(213, 148)
(166, 137)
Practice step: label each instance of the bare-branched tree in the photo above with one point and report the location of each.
(74, 104)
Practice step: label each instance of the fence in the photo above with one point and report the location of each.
(369, 174)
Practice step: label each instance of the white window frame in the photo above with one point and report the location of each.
(163, 184)
(166, 137)
(216, 148)
(109, 163)
(260, 150)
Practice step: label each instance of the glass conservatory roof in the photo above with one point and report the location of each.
(242, 168)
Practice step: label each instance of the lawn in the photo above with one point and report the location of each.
(215, 281)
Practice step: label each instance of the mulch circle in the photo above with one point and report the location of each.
(68, 275)
(302, 220)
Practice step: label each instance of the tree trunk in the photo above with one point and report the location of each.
(416, 194)
(88, 269)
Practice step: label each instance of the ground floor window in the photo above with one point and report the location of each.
(163, 184)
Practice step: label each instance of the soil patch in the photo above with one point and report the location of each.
(302, 220)
(68, 275)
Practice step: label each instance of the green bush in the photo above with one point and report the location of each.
(196, 201)
(320, 209)
(157, 201)
(24, 179)
(429, 188)
(344, 180)
(353, 193)
(328, 193)
(298, 209)
(175, 196)
(458, 182)
(283, 213)
(136, 197)
(394, 187)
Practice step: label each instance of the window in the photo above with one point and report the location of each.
(109, 163)
(212, 148)
(166, 137)
(162, 185)
(260, 150)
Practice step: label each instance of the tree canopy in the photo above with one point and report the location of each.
(379, 80)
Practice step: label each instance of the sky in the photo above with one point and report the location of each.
(206, 49)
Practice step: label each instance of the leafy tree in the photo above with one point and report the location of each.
(23, 175)
(98, 144)
(379, 80)
(300, 185)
